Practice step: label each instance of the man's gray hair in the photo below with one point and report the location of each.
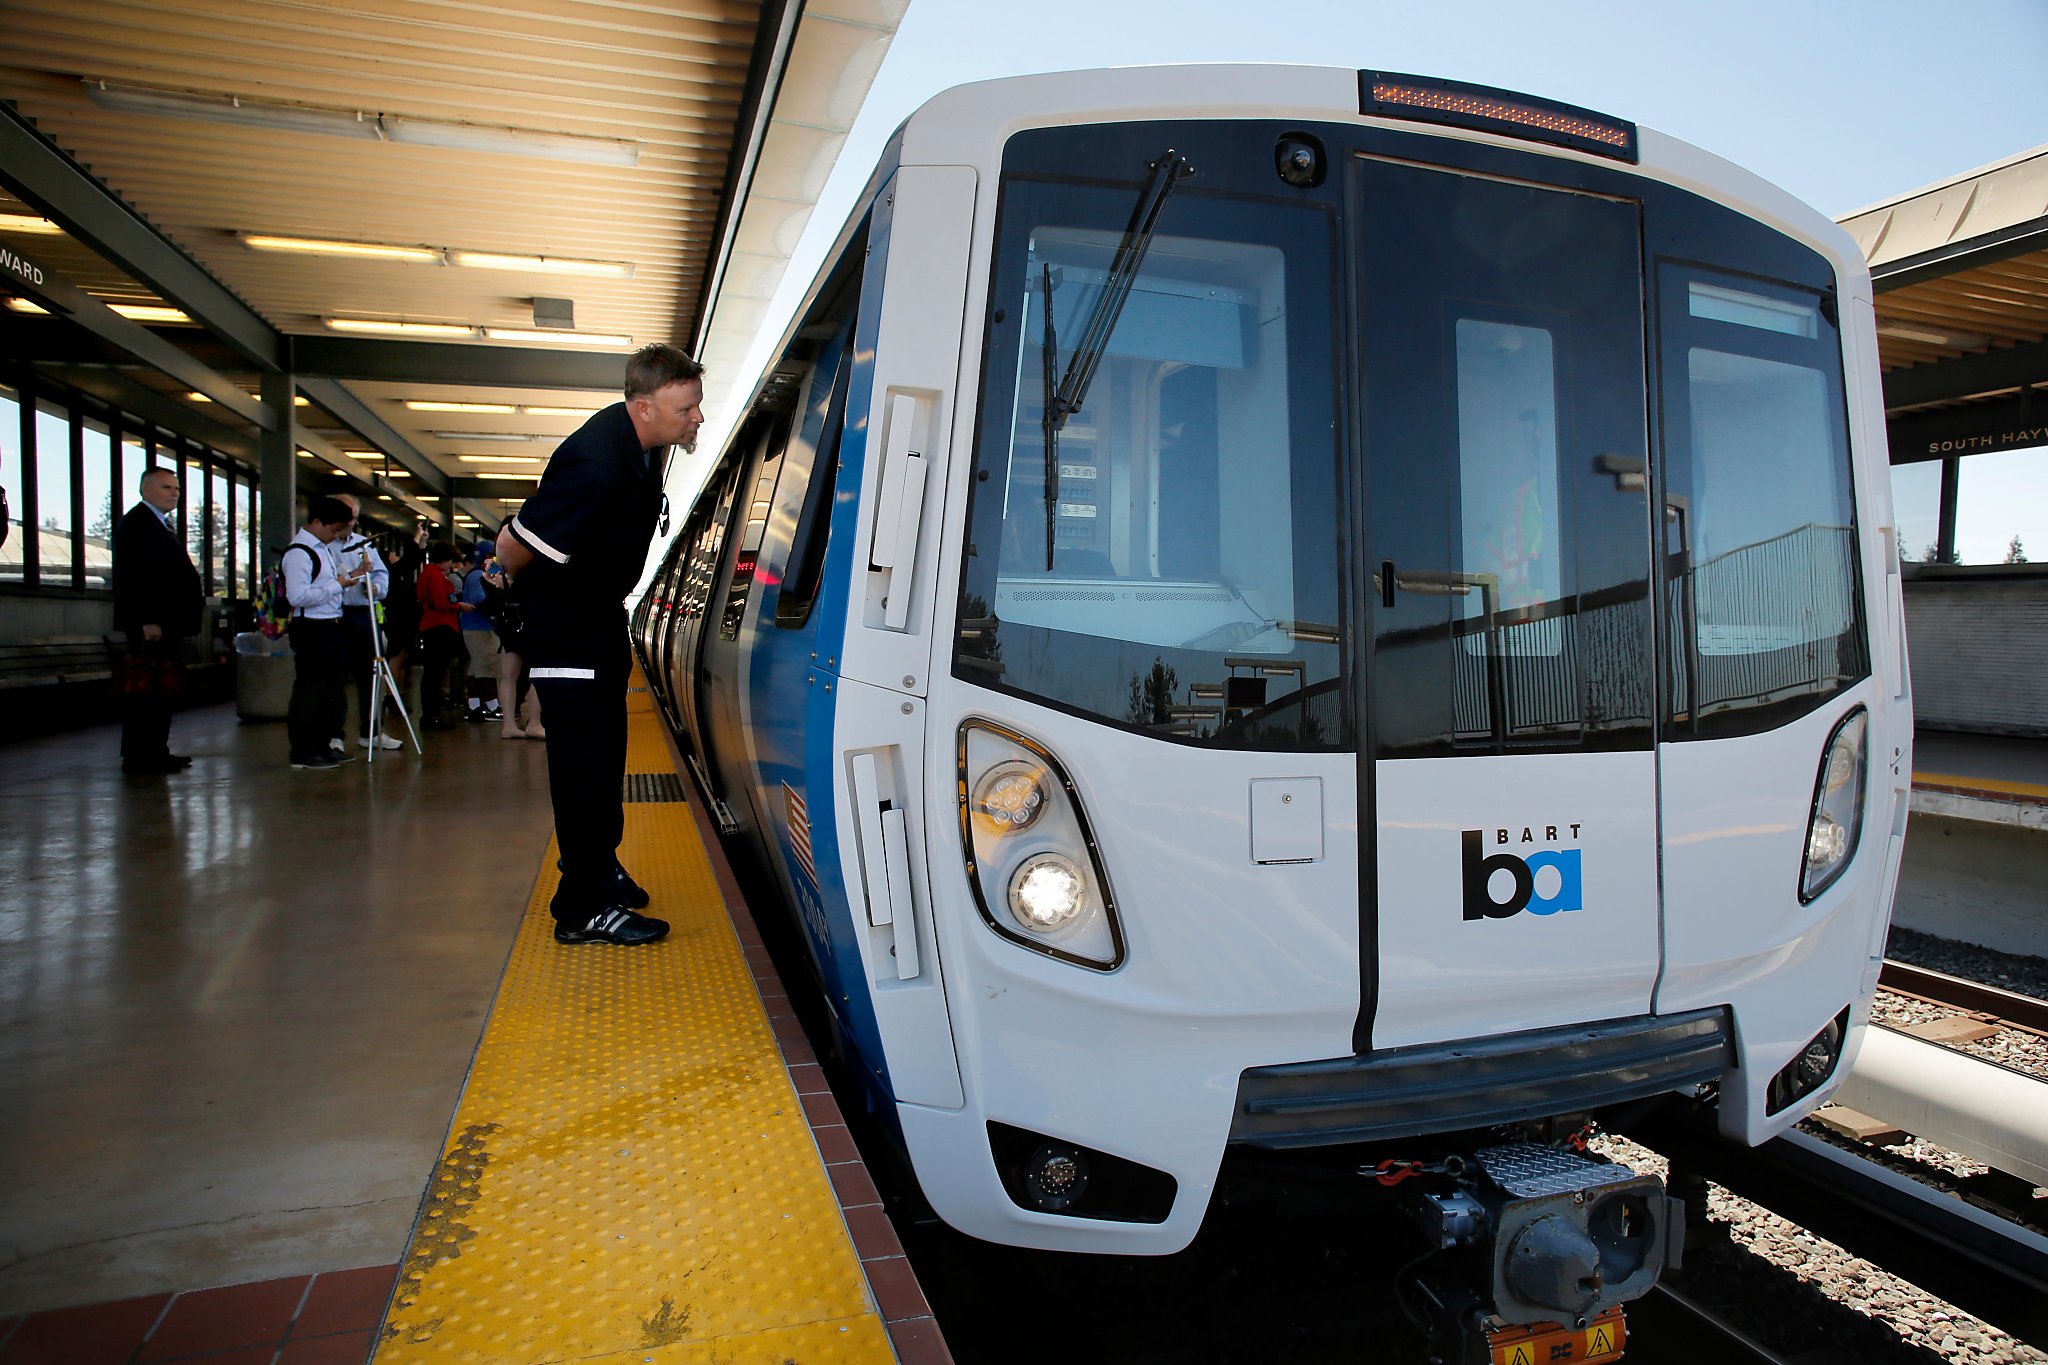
(655, 367)
(142, 484)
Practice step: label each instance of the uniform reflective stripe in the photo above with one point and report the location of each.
(563, 673)
(525, 533)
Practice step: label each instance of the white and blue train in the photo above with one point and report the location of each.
(1317, 611)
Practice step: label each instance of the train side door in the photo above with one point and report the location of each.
(1513, 878)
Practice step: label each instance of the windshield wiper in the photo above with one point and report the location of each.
(1066, 398)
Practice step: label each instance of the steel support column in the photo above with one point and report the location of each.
(280, 466)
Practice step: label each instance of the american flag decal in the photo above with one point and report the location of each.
(800, 831)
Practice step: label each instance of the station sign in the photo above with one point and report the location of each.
(2010, 423)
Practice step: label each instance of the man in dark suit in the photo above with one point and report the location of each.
(158, 600)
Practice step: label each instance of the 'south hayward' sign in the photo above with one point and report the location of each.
(2009, 423)
(21, 268)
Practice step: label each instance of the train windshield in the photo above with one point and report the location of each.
(1180, 573)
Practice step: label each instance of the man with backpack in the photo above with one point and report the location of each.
(313, 586)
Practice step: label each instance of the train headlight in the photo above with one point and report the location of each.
(1047, 893)
(1837, 818)
(1010, 797)
(1045, 890)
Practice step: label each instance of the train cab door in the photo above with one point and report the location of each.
(1512, 881)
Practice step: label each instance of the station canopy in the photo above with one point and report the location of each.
(448, 222)
(1961, 272)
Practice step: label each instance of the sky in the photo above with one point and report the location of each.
(1843, 105)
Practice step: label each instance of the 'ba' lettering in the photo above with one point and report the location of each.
(1479, 869)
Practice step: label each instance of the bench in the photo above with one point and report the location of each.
(56, 660)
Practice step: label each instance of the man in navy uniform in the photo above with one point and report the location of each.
(577, 547)
(158, 600)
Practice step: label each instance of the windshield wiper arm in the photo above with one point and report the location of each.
(1066, 398)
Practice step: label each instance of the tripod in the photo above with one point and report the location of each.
(383, 682)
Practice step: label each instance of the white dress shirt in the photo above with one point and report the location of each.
(310, 584)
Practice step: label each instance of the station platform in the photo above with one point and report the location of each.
(242, 1002)
(1992, 779)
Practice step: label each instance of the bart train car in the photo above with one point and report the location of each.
(1320, 611)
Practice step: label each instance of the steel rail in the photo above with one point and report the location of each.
(1670, 1328)
(1992, 1269)
(2021, 1011)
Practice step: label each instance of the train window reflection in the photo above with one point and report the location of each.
(1507, 477)
(1764, 599)
(1181, 574)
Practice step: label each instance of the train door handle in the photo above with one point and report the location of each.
(899, 508)
(885, 865)
(896, 847)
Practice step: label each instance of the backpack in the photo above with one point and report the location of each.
(273, 603)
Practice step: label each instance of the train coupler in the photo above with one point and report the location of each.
(1532, 1251)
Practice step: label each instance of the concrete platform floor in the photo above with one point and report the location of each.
(237, 1004)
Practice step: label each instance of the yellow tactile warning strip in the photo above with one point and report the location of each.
(1981, 786)
(646, 751)
(631, 1175)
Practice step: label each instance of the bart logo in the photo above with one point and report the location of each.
(1480, 868)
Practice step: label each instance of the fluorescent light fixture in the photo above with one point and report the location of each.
(398, 473)
(552, 265)
(424, 405)
(478, 137)
(299, 400)
(305, 454)
(489, 436)
(384, 327)
(560, 412)
(1932, 335)
(364, 126)
(134, 312)
(499, 459)
(313, 246)
(28, 222)
(151, 312)
(553, 338)
(507, 474)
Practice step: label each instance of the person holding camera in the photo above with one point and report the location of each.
(314, 584)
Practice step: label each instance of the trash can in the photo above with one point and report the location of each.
(263, 676)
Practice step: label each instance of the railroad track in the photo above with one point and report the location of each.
(2009, 1008)
(1987, 1266)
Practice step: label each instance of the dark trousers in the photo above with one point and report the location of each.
(586, 720)
(319, 686)
(440, 656)
(146, 714)
(360, 647)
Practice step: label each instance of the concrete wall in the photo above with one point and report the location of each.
(1981, 883)
(38, 616)
(1979, 647)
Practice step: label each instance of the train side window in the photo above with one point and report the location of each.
(1180, 573)
(806, 566)
(1762, 591)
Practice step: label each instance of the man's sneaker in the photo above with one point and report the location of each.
(622, 889)
(318, 762)
(613, 924)
(383, 742)
(627, 892)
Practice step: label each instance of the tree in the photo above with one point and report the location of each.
(102, 528)
(2015, 553)
(1152, 695)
